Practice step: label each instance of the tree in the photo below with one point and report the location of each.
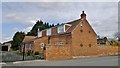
(117, 36)
(53, 25)
(58, 24)
(39, 25)
(33, 32)
(17, 40)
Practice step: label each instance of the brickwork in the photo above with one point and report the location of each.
(66, 39)
(83, 37)
(43, 33)
(79, 40)
(54, 30)
(58, 52)
(39, 42)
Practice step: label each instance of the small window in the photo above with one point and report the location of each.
(89, 45)
(60, 43)
(81, 45)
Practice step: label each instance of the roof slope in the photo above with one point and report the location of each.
(28, 38)
(74, 24)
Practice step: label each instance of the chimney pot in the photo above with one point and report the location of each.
(83, 15)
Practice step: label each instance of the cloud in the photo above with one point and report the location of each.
(5, 38)
(27, 29)
(60, 0)
(102, 16)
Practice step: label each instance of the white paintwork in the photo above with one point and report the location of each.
(48, 31)
(39, 33)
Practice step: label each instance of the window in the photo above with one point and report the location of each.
(89, 45)
(81, 45)
(26, 45)
(61, 29)
(39, 33)
(60, 43)
(49, 31)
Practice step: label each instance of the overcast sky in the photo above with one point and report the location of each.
(21, 16)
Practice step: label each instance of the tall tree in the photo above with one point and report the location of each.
(117, 36)
(53, 25)
(39, 25)
(17, 40)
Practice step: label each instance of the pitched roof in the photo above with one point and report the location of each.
(8, 42)
(28, 38)
(74, 24)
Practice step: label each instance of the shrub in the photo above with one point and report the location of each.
(36, 53)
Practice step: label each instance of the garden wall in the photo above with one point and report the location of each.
(60, 52)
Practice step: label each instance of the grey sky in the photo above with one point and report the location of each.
(103, 16)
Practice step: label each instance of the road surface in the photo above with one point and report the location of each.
(94, 61)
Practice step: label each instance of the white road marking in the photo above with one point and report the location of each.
(27, 61)
(2, 63)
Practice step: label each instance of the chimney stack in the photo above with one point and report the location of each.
(83, 15)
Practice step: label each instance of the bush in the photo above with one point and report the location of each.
(41, 55)
(29, 53)
(37, 57)
(36, 53)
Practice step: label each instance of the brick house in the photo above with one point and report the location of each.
(75, 38)
(73, 35)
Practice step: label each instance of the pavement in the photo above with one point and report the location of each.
(91, 61)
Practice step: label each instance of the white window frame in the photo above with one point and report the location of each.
(59, 28)
(39, 33)
(48, 31)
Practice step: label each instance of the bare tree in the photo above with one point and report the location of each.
(117, 36)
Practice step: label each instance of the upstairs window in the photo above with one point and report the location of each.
(48, 31)
(61, 29)
(39, 33)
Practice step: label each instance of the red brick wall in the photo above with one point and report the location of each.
(107, 50)
(81, 40)
(54, 30)
(66, 39)
(37, 43)
(58, 52)
(43, 33)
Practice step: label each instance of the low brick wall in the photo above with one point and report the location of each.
(107, 50)
(58, 52)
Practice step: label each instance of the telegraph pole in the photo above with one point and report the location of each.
(23, 51)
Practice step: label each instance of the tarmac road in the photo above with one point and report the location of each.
(94, 61)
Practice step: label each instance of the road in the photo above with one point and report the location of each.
(94, 61)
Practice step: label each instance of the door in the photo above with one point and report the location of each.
(4, 48)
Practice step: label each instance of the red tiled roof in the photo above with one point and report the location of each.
(28, 38)
(74, 24)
